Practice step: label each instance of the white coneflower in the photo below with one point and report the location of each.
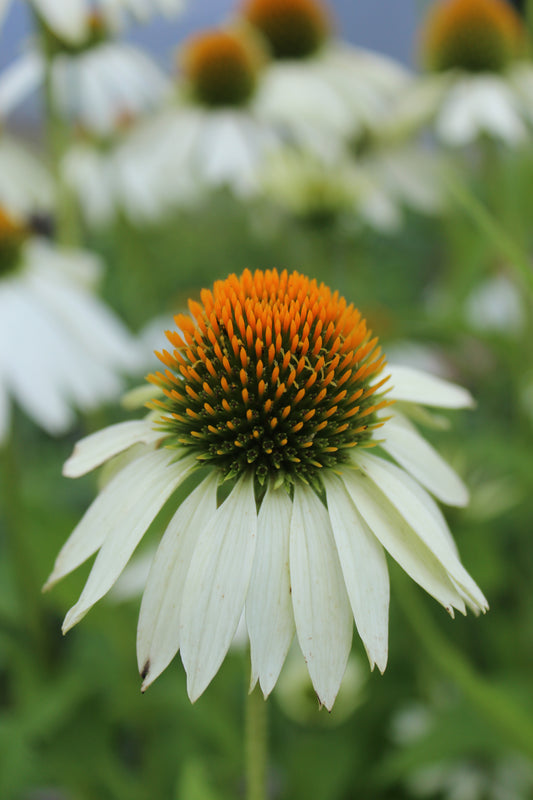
(70, 19)
(54, 332)
(275, 396)
(318, 89)
(480, 84)
(210, 137)
(94, 83)
(371, 189)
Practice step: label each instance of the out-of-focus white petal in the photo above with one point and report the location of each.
(365, 571)
(413, 386)
(269, 615)
(324, 619)
(70, 21)
(93, 450)
(216, 586)
(482, 104)
(403, 442)
(158, 632)
(19, 80)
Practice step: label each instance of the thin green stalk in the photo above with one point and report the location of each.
(59, 138)
(492, 702)
(256, 746)
(19, 551)
(489, 227)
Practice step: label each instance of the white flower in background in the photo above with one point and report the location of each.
(26, 187)
(110, 178)
(54, 332)
(480, 87)
(272, 395)
(496, 305)
(501, 776)
(95, 84)
(319, 90)
(373, 188)
(211, 136)
(70, 19)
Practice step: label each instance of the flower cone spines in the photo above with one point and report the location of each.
(221, 67)
(473, 35)
(272, 373)
(292, 28)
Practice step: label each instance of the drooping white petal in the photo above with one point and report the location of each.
(269, 615)
(400, 540)
(159, 618)
(403, 442)
(139, 508)
(19, 80)
(324, 620)
(414, 386)
(93, 450)
(364, 567)
(423, 516)
(130, 500)
(70, 22)
(216, 586)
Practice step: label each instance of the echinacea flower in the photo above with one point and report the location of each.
(272, 396)
(94, 83)
(318, 89)
(480, 82)
(70, 19)
(54, 332)
(210, 137)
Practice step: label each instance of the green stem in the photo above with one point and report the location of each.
(59, 138)
(16, 527)
(489, 227)
(493, 703)
(256, 746)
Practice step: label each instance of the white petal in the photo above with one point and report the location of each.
(400, 540)
(159, 618)
(216, 586)
(133, 495)
(324, 620)
(70, 22)
(269, 615)
(423, 515)
(19, 80)
(364, 567)
(93, 450)
(415, 386)
(138, 507)
(403, 442)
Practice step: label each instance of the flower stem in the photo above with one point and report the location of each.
(59, 137)
(489, 227)
(26, 581)
(492, 702)
(256, 746)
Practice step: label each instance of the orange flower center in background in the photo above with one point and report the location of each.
(13, 234)
(221, 67)
(474, 35)
(272, 373)
(292, 28)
